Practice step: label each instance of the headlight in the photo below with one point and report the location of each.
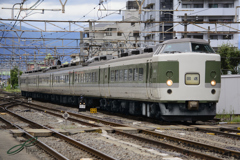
(213, 82)
(169, 82)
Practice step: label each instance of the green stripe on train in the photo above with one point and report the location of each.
(168, 66)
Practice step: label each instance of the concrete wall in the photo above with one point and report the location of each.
(229, 101)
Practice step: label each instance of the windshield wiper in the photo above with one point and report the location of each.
(175, 52)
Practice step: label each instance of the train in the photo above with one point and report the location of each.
(177, 80)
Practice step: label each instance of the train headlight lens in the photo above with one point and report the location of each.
(213, 82)
(169, 82)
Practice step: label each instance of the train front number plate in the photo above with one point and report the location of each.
(192, 79)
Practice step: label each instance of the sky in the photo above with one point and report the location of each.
(74, 9)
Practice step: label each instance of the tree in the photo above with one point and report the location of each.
(230, 58)
(14, 77)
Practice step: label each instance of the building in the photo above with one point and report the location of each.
(49, 60)
(209, 11)
(198, 10)
(4, 76)
(149, 16)
(103, 39)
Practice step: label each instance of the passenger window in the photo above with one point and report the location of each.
(130, 75)
(116, 75)
(135, 74)
(140, 74)
(93, 76)
(121, 75)
(96, 76)
(76, 77)
(125, 75)
(89, 77)
(112, 76)
(86, 77)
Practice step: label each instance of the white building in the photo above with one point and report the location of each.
(149, 28)
(209, 11)
(202, 10)
(103, 39)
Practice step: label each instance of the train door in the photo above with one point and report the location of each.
(71, 82)
(106, 81)
(27, 81)
(149, 78)
(51, 82)
(99, 80)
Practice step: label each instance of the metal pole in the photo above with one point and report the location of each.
(81, 46)
(185, 25)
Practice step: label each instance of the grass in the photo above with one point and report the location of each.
(228, 118)
(236, 119)
(12, 90)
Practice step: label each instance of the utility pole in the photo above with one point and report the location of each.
(185, 25)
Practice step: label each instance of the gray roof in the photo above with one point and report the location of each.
(185, 40)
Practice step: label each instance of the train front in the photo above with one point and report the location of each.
(192, 80)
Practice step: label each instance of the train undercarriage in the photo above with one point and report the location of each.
(161, 111)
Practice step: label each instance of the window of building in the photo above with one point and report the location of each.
(228, 5)
(119, 33)
(109, 32)
(132, 24)
(213, 36)
(186, 6)
(198, 36)
(198, 6)
(213, 5)
(227, 36)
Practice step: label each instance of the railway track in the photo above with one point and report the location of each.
(95, 153)
(197, 145)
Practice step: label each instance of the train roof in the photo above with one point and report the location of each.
(185, 40)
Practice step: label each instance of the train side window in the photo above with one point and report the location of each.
(140, 74)
(82, 80)
(121, 75)
(130, 75)
(125, 75)
(117, 75)
(86, 77)
(112, 75)
(90, 77)
(96, 76)
(135, 74)
(76, 78)
(67, 79)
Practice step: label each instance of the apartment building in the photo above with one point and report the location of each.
(197, 10)
(209, 11)
(112, 39)
(153, 14)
